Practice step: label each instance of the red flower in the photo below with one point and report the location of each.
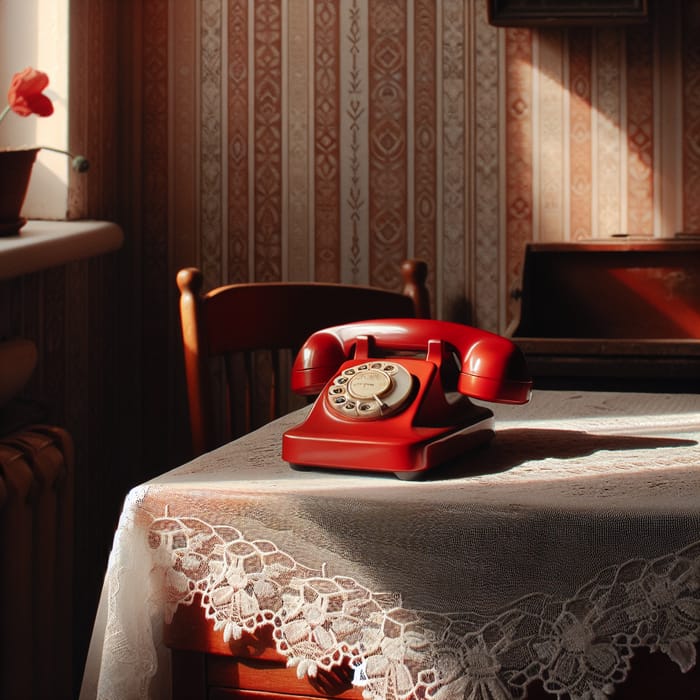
(25, 95)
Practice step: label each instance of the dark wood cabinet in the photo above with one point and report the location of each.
(533, 13)
(613, 314)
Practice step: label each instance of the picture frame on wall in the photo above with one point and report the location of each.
(533, 13)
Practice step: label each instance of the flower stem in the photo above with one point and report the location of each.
(4, 112)
(78, 163)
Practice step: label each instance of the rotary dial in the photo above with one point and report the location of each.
(370, 390)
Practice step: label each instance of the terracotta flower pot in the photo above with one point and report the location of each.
(15, 171)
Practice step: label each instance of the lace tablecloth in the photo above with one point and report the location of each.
(556, 552)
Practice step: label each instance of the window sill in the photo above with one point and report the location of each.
(44, 244)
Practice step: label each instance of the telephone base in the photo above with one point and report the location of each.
(407, 456)
(454, 444)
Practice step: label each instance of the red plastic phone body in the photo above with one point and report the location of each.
(438, 421)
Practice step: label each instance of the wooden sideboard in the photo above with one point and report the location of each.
(557, 13)
(619, 313)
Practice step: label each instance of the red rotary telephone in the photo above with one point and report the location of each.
(394, 394)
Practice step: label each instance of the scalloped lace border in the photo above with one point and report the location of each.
(581, 646)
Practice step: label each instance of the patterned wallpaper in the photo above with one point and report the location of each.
(328, 140)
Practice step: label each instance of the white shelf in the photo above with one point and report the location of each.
(44, 244)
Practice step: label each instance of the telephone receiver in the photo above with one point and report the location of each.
(394, 394)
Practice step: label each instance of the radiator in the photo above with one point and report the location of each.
(36, 564)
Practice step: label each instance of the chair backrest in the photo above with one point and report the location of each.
(234, 321)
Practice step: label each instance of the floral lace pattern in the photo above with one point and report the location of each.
(580, 647)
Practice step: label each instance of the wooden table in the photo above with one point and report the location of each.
(550, 561)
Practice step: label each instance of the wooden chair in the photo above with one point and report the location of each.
(240, 319)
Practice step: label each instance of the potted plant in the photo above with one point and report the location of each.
(25, 97)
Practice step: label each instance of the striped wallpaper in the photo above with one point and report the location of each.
(328, 139)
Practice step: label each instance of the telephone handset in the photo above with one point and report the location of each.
(393, 394)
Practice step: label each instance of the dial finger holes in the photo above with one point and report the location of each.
(370, 390)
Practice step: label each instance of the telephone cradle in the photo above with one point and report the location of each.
(394, 394)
